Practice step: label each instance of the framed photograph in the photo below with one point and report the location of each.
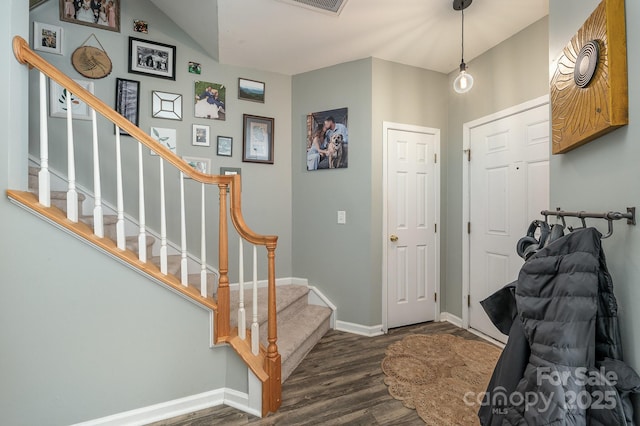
(47, 38)
(140, 26)
(203, 165)
(327, 140)
(58, 101)
(194, 68)
(165, 137)
(227, 171)
(250, 90)
(166, 105)
(128, 100)
(209, 100)
(225, 146)
(201, 135)
(152, 59)
(257, 137)
(103, 14)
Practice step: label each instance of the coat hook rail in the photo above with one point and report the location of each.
(630, 215)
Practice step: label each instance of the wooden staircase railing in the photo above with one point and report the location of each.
(264, 362)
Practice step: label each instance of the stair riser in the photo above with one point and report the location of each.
(62, 204)
(301, 352)
(33, 183)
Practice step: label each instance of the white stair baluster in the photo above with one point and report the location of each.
(184, 272)
(72, 194)
(98, 222)
(242, 321)
(44, 176)
(163, 222)
(120, 235)
(142, 235)
(203, 249)
(255, 327)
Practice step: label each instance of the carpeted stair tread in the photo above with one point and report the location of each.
(194, 280)
(107, 219)
(298, 333)
(287, 297)
(173, 264)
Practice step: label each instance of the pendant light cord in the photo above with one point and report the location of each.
(462, 59)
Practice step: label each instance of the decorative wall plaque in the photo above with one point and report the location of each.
(589, 87)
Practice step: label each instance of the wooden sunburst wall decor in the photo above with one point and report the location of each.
(589, 87)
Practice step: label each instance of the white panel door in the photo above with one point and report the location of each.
(508, 187)
(411, 220)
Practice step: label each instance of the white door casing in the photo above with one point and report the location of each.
(507, 185)
(411, 213)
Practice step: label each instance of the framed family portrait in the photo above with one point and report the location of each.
(128, 101)
(58, 101)
(201, 135)
(152, 59)
(257, 137)
(47, 38)
(225, 146)
(327, 140)
(103, 14)
(250, 90)
(166, 105)
(209, 100)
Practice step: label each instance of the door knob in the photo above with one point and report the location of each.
(393, 238)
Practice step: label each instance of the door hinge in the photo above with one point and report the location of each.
(435, 297)
(468, 300)
(469, 154)
(435, 226)
(435, 158)
(468, 227)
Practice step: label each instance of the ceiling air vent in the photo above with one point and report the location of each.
(333, 7)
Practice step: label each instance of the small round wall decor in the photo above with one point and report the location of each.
(586, 63)
(90, 61)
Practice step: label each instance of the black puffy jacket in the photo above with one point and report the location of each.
(574, 374)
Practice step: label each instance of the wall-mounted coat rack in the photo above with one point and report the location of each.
(630, 215)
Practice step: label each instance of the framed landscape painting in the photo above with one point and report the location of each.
(250, 90)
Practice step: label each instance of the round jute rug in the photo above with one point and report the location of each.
(441, 376)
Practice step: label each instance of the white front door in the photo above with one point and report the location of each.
(412, 252)
(508, 187)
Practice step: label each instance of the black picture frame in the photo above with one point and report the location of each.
(152, 59)
(225, 146)
(257, 138)
(128, 101)
(251, 90)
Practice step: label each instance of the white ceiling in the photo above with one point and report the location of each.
(275, 36)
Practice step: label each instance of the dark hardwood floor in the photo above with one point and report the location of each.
(339, 382)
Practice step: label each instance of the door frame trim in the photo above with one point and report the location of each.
(386, 126)
(466, 214)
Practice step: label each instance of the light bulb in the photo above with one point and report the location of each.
(463, 82)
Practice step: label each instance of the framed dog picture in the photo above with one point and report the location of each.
(327, 140)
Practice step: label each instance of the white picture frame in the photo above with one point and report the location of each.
(201, 135)
(165, 137)
(58, 103)
(166, 105)
(47, 38)
(203, 165)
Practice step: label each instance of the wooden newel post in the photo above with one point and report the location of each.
(222, 326)
(273, 361)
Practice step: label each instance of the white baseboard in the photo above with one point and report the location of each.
(446, 316)
(316, 297)
(363, 330)
(177, 407)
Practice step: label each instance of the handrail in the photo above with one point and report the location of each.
(26, 56)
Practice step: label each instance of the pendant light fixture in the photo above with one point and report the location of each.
(464, 81)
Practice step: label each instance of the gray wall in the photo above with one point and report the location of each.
(513, 72)
(603, 174)
(336, 258)
(266, 188)
(82, 335)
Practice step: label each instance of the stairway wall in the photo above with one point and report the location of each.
(259, 180)
(84, 336)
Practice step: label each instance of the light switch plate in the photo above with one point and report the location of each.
(342, 217)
